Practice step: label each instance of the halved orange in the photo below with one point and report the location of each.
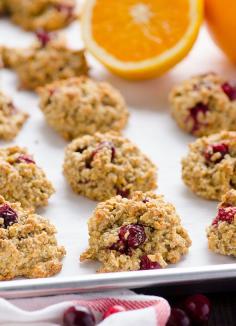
(139, 39)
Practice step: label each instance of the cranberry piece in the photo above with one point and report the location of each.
(230, 91)
(198, 308)
(178, 318)
(225, 215)
(66, 9)
(44, 37)
(123, 193)
(13, 109)
(25, 158)
(146, 201)
(130, 237)
(113, 310)
(221, 148)
(78, 316)
(198, 109)
(120, 246)
(146, 263)
(133, 234)
(8, 214)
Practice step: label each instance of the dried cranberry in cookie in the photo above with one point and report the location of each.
(146, 263)
(215, 153)
(78, 106)
(22, 180)
(209, 169)
(221, 234)
(11, 119)
(230, 91)
(109, 164)
(204, 104)
(28, 244)
(135, 234)
(8, 215)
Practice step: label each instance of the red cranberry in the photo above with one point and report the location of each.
(8, 214)
(225, 215)
(78, 316)
(66, 9)
(130, 237)
(113, 310)
(146, 201)
(123, 193)
(178, 318)
(121, 247)
(44, 37)
(221, 148)
(230, 91)
(146, 263)
(25, 158)
(198, 308)
(198, 109)
(13, 109)
(133, 235)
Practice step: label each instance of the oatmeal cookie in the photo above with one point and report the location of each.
(22, 180)
(139, 233)
(28, 244)
(47, 60)
(45, 14)
(222, 232)
(104, 165)
(79, 106)
(2, 7)
(209, 170)
(204, 105)
(11, 119)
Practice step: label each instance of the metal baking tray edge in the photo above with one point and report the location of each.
(109, 281)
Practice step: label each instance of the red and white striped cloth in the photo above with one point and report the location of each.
(48, 311)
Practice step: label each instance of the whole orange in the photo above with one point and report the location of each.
(221, 20)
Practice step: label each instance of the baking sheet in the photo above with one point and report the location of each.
(154, 131)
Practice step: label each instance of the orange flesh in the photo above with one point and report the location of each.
(163, 27)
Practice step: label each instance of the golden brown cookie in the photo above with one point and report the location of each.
(209, 168)
(204, 105)
(11, 119)
(221, 233)
(48, 60)
(28, 246)
(41, 14)
(100, 166)
(139, 233)
(22, 180)
(78, 106)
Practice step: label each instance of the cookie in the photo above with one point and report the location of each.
(32, 64)
(42, 14)
(204, 105)
(28, 247)
(2, 7)
(11, 119)
(22, 180)
(80, 106)
(221, 234)
(139, 233)
(104, 165)
(209, 168)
